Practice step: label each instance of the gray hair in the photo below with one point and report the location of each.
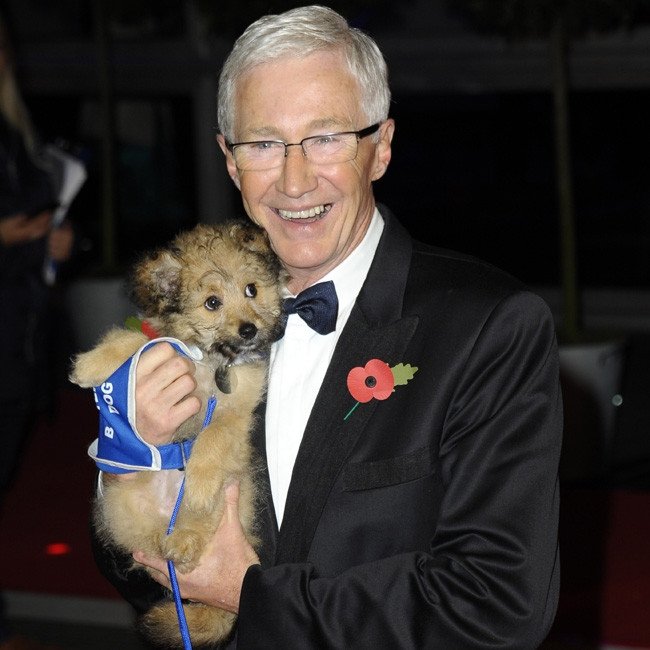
(300, 32)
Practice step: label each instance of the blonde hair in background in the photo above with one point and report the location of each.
(11, 102)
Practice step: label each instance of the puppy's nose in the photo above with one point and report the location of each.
(247, 331)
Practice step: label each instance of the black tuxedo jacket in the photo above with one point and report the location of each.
(429, 519)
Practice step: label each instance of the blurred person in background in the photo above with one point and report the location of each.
(27, 240)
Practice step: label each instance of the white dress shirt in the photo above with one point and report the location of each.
(298, 364)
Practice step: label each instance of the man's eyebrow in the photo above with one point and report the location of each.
(265, 132)
(326, 124)
(329, 124)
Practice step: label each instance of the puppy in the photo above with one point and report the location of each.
(218, 288)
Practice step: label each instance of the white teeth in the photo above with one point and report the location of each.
(302, 214)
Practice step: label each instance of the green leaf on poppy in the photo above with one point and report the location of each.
(133, 323)
(403, 373)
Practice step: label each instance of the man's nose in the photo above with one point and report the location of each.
(300, 150)
(298, 176)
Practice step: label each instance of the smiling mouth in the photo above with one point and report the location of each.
(316, 211)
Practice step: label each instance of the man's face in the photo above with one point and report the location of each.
(290, 99)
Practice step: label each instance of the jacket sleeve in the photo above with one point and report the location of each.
(490, 576)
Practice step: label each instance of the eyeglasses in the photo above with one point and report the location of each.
(328, 149)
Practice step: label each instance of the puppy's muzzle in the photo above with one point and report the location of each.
(246, 342)
(247, 331)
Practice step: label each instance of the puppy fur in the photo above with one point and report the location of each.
(219, 288)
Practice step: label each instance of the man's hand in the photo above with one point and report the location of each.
(218, 578)
(164, 383)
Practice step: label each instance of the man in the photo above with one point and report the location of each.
(409, 506)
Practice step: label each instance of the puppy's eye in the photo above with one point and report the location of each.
(212, 303)
(250, 291)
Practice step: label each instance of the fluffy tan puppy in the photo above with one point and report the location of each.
(218, 288)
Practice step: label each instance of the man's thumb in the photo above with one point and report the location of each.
(232, 496)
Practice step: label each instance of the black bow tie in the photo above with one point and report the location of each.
(317, 305)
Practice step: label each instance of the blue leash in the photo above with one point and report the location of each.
(180, 612)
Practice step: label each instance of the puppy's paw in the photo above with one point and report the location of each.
(183, 548)
(88, 370)
(91, 368)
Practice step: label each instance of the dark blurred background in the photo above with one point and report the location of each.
(129, 86)
(474, 149)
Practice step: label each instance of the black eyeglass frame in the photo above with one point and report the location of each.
(363, 133)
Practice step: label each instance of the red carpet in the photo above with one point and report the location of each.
(605, 536)
(49, 504)
(625, 601)
(605, 595)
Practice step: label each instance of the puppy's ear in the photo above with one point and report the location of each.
(255, 239)
(250, 237)
(154, 285)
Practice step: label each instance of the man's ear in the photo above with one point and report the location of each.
(383, 149)
(230, 161)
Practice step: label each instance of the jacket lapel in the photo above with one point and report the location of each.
(375, 329)
(266, 526)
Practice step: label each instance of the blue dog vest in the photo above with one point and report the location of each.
(120, 449)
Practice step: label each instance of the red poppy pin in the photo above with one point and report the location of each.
(377, 379)
(143, 326)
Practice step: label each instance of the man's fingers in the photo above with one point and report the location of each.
(184, 410)
(165, 381)
(154, 357)
(171, 377)
(177, 389)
